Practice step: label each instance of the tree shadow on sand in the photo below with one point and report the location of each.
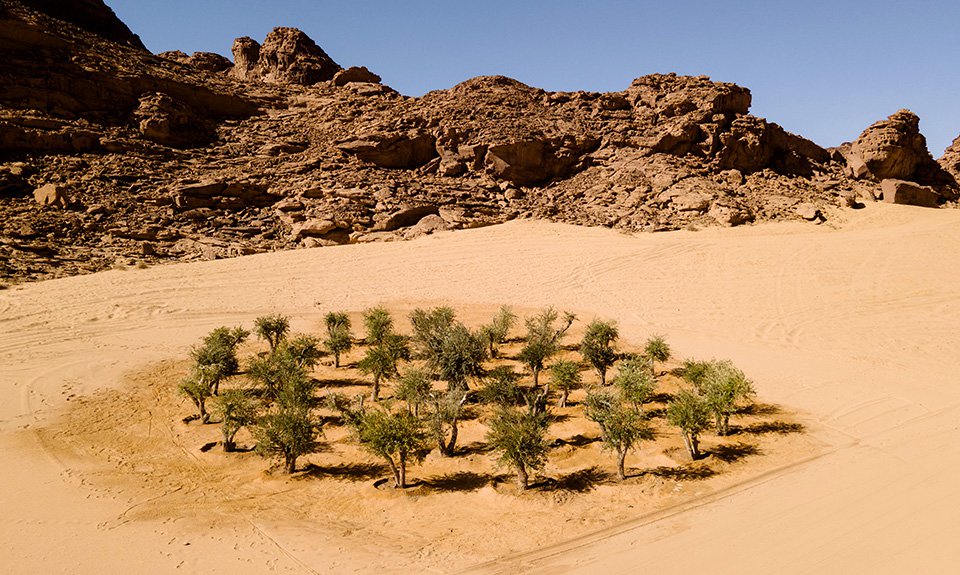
(693, 472)
(733, 452)
(580, 481)
(765, 427)
(460, 481)
(346, 471)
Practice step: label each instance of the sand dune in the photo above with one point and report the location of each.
(855, 326)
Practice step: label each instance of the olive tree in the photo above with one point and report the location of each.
(218, 354)
(304, 350)
(396, 436)
(501, 387)
(657, 349)
(565, 376)
(414, 387)
(695, 372)
(597, 346)
(634, 382)
(621, 427)
(460, 356)
(495, 332)
(235, 409)
(543, 340)
(287, 433)
(339, 340)
(379, 324)
(689, 412)
(430, 329)
(724, 387)
(519, 439)
(198, 388)
(272, 328)
(381, 361)
(443, 418)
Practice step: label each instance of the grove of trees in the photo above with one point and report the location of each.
(445, 372)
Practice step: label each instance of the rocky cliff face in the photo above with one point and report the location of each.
(173, 157)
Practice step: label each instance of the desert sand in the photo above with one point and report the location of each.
(853, 326)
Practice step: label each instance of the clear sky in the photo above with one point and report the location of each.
(822, 69)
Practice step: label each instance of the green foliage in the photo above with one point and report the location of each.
(379, 324)
(597, 346)
(443, 417)
(430, 329)
(621, 427)
(304, 350)
(519, 439)
(543, 340)
(218, 354)
(565, 376)
(272, 328)
(414, 387)
(287, 433)
(282, 378)
(689, 412)
(695, 372)
(460, 356)
(339, 340)
(396, 436)
(501, 387)
(381, 361)
(197, 387)
(657, 349)
(724, 387)
(634, 382)
(495, 332)
(235, 409)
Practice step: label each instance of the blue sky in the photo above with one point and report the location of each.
(823, 69)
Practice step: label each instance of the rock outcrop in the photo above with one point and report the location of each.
(950, 161)
(178, 157)
(287, 56)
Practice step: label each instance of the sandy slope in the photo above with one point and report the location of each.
(855, 327)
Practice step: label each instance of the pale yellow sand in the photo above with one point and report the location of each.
(856, 328)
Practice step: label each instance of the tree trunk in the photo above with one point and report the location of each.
(291, 463)
(204, 416)
(603, 376)
(394, 470)
(452, 444)
(522, 478)
(621, 458)
(376, 389)
(229, 446)
(695, 444)
(336, 359)
(403, 471)
(725, 428)
(691, 446)
(563, 398)
(536, 378)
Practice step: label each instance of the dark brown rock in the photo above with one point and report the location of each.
(290, 56)
(892, 148)
(246, 55)
(410, 150)
(51, 195)
(167, 121)
(909, 193)
(355, 74)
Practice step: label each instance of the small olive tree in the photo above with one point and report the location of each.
(217, 353)
(460, 357)
(695, 372)
(565, 376)
(396, 436)
(381, 361)
(621, 427)
(597, 346)
(657, 349)
(724, 388)
(414, 387)
(339, 340)
(519, 439)
(501, 387)
(236, 410)
(543, 340)
(443, 418)
(304, 350)
(689, 412)
(287, 433)
(272, 328)
(635, 382)
(430, 327)
(378, 323)
(495, 332)
(198, 388)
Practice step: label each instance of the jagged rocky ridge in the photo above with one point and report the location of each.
(111, 154)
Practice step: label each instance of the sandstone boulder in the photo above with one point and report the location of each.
(909, 193)
(402, 151)
(355, 74)
(533, 162)
(288, 56)
(170, 122)
(890, 149)
(91, 15)
(221, 195)
(950, 161)
(246, 55)
(406, 217)
(312, 228)
(51, 195)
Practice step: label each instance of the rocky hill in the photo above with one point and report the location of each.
(111, 155)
